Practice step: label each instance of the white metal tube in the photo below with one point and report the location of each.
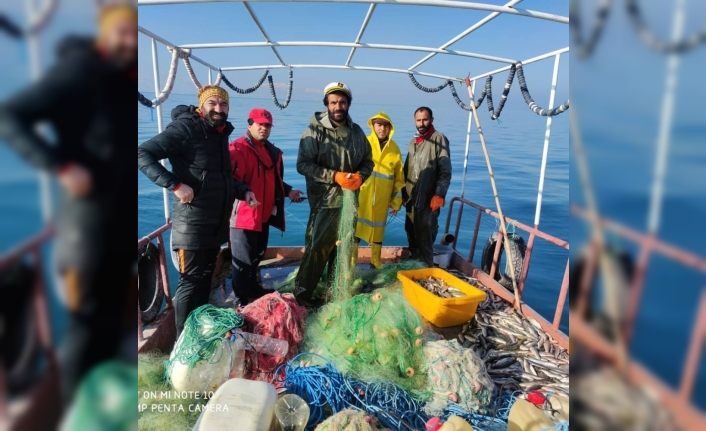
(46, 203)
(547, 135)
(167, 43)
(155, 73)
(210, 77)
(525, 62)
(468, 144)
(438, 3)
(666, 121)
(352, 45)
(259, 25)
(363, 26)
(464, 33)
(337, 66)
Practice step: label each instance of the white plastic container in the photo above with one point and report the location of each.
(239, 404)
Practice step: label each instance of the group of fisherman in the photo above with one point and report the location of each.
(236, 189)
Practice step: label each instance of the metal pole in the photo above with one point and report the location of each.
(363, 26)
(468, 143)
(35, 69)
(155, 72)
(210, 77)
(547, 135)
(654, 215)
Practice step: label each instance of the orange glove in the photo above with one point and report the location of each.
(347, 180)
(356, 181)
(436, 203)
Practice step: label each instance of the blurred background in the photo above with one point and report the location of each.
(66, 241)
(638, 318)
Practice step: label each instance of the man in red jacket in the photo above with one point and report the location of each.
(256, 162)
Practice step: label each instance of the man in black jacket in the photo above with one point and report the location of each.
(196, 144)
(87, 99)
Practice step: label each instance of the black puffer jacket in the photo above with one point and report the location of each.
(199, 157)
(89, 105)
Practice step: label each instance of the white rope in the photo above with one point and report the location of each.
(169, 84)
(219, 78)
(184, 54)
(41, 19)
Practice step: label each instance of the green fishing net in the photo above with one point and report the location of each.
(203, 332)
(346, 249)
(372, 336)
(202, 356)
(105, 400)
(159, 407)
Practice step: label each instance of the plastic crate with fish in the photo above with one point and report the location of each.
(454, 302)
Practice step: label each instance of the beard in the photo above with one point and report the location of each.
(338, 115)
(422, 130)
(217, 119)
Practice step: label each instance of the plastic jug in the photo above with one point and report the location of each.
(239, 404)
(292, 412)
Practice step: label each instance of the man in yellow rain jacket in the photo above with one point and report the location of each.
(382, 190)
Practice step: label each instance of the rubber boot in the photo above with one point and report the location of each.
(375, 252)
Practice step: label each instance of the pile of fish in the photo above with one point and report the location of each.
(518, 354)
(439, 287)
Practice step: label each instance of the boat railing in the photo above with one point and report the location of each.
(163, 276)
(680, 399)
(532, 231)
(32, 248)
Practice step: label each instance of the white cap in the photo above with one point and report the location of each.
(337, 86)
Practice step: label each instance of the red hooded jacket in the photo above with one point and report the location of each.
(264, 177)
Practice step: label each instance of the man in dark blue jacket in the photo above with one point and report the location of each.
(196, 144)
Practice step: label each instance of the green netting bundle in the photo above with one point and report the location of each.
(387, 275)
(349, 420)
(372, 336)
(346, 249)
(201, 358)
(105, 400)
(159, 407)
(456, 375)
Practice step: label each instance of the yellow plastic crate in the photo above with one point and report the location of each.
(442, 312)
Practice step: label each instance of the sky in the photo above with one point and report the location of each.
(508, 36)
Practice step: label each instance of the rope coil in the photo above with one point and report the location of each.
(494, 115)
(426, 89)
(585, 47)
(241, 90)
(530, 101)
(289, 91)
(168, 85)
(653, 42)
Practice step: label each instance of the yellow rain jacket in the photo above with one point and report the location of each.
(383, 189)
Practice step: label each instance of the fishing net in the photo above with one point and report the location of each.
(105, 400)
(276, 316)
(349, 420)
(456, 375)
(346, 249)
(327, 392)
(201, 358)
(372, 336)
(159, 408)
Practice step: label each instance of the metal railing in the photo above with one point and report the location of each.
(163, 274)
(33, 248)
(678, 399)
(532, 231)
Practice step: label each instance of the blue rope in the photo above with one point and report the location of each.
(327, 392)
